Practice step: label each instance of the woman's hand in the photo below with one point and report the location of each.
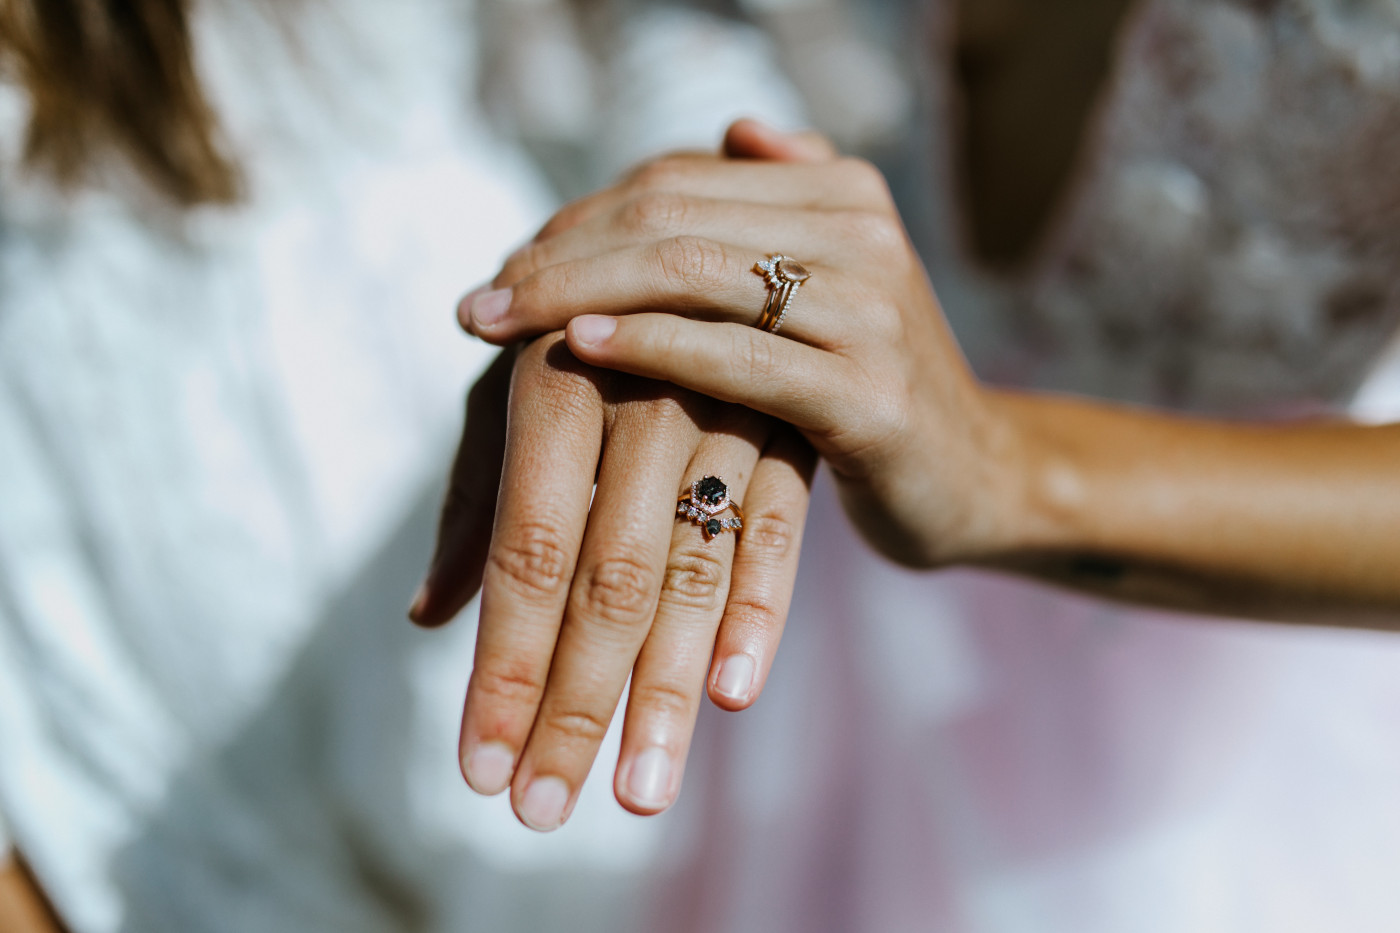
(655, 277)
(864, 365)
(575, 599)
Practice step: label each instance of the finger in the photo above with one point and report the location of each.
(656, 216)
(464, 527)
(752, 139)
(806, 387)
(669, 677)
(765, 571)
(610, 606)
(553, 436)
(688, 275)
(838, 184)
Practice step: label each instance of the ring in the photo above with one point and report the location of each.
(704, 502)
(784, 276)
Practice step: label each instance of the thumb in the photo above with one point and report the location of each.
(750, 139)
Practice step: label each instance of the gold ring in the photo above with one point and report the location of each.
(703, 504)
(784, 275)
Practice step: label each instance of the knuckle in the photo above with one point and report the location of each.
(691, 263)
(879, 232)
(662, 700)
(618, 589)
(532, 559)
(655, 214)
(532, 371)
(696, 580)
(566, 218)
(650, 416)
(522, 263)
(884, 322)
(867, 181)
(507, 684)
(759, 357)
(565, 395)
(753, 610)
(658, 175)
(884, 421)
(772, 533)
(581, 724)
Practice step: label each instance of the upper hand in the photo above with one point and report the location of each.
(656, 277)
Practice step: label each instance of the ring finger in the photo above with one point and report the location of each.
(693, 276)
(668, 681)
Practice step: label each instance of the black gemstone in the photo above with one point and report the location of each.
(711, 490)
(712, 527)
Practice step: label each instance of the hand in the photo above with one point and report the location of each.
(864, 366)
(576, 598)
(1291, 522)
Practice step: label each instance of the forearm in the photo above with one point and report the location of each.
(1297, 521)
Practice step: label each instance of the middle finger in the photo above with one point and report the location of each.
(610, 605)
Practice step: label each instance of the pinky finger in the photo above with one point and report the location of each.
(789, 380)
(764, 571)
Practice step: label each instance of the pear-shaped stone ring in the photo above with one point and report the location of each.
(703, 504)
(784, 276)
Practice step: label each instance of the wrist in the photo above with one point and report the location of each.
(1037, 493)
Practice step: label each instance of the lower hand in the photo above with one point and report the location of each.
(577, 598)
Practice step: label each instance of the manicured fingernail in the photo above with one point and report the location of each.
(464, 307)
(489, 767)
(735, 678)
(420, 602)
(649, 781)
(543, 805)
(593, 328)
(489, 307)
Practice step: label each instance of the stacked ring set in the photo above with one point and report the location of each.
(703, 504)
(709, 497)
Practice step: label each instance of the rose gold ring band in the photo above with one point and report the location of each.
(703, 503)
(784, 275)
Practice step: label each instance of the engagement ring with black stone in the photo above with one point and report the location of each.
(703, 504)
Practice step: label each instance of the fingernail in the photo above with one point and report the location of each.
(735, 678)
(420, 602)
(543, 805)
(490, 307)
(649, 781)
(464, 307)
(593, 328)
(489, 767)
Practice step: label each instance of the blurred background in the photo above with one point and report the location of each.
(224, 429)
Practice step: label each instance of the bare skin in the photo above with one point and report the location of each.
(23, 907)
(578, 596)
(1297, 521)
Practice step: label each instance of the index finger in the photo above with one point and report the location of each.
(553, 438)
